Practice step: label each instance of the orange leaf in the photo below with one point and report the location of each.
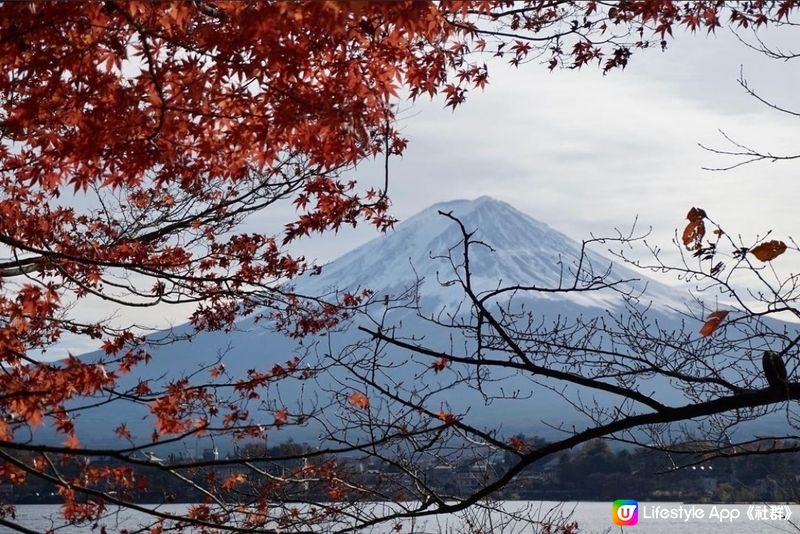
(696, 229)
(215, 372)
(769, 250)
(359, 400)
(281, 416)
(713, 322)
(234, 480)
(440, 364)
(447, 418)
(122, 431)
(519, 444)
(72, 442)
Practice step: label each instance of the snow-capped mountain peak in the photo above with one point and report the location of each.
(523, 251)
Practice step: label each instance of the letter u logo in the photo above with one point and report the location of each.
(625, 512)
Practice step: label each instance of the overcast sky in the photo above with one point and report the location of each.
(586, 153)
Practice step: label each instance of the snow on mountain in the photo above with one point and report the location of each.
(525, 251)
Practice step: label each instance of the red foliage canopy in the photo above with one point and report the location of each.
(138, 135)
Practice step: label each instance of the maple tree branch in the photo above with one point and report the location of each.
(151, 67)
(526, 365)
(16, 526)
(744, 153)
(58, 481)
(532, 367)
(19, 268)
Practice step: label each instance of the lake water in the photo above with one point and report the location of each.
(592, 517)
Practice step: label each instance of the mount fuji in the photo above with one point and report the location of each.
(523, 251)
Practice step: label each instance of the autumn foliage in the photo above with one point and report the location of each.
(138, 137)
(713, 322)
